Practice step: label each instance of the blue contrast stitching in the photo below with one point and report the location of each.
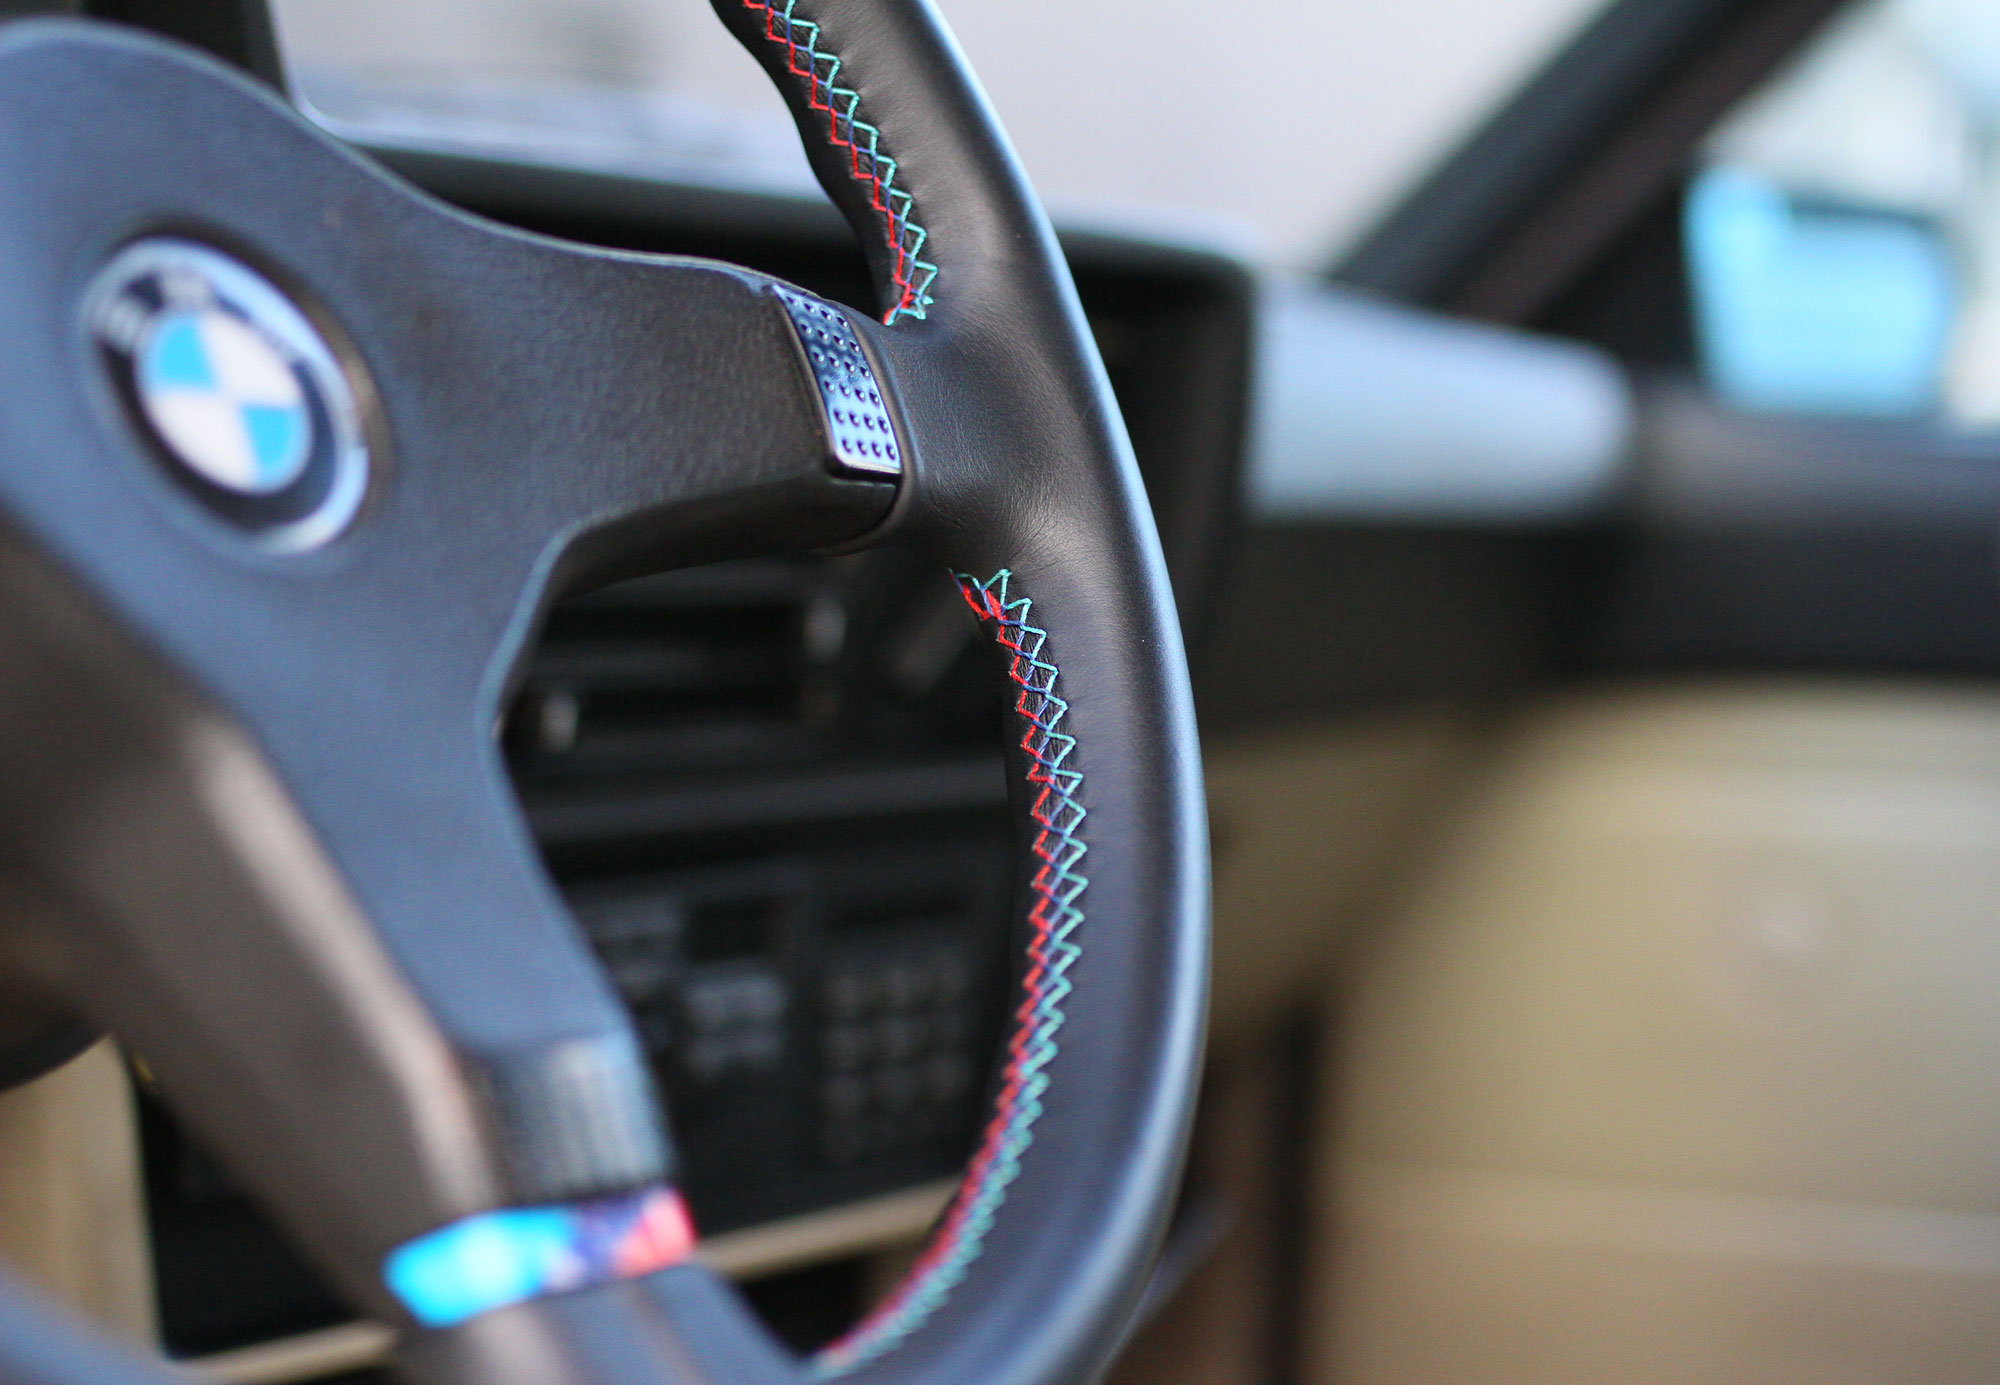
(845, 128)
(1052, 951)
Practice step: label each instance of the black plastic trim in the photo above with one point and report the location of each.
(1548, 183)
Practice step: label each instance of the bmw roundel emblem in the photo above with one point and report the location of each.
(237, 390)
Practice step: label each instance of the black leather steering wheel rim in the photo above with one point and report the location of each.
(1016, 475)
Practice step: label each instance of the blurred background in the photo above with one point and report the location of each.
(1843, 242)
(1293, 127)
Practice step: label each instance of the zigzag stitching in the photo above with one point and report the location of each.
(804, 57)
(1051, 953)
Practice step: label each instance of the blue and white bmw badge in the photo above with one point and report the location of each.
(239, 392)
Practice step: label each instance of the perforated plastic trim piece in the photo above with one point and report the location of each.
(867, 162)
(861, 437)
(1052, 950)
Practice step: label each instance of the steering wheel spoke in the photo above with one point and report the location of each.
(283, 823)
(513, 394)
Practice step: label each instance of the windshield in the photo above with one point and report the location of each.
(1288, 130)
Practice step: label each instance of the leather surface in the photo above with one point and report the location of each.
(1023, 464)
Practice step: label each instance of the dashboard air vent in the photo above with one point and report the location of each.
(688, 669)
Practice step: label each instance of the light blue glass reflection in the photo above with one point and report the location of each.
(1816, 308)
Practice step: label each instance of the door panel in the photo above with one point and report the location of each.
(1679, 1063)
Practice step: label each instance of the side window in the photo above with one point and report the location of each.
(1843, 230)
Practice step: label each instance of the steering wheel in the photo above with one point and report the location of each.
(292, 460)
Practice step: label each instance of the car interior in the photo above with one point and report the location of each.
(1370, 753)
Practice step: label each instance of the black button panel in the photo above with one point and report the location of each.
(825, 1025)
(895, 1053)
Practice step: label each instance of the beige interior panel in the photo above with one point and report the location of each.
(1682, 1062)
(72, 1210)
(1307, 827)
(1216, 1328)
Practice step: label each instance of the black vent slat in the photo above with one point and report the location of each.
(662, 672)
(752, 666)
(661, 666)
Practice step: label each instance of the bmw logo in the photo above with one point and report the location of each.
(237, 391)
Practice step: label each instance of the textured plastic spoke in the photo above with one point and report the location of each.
(1053, 920)
(863, 142)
